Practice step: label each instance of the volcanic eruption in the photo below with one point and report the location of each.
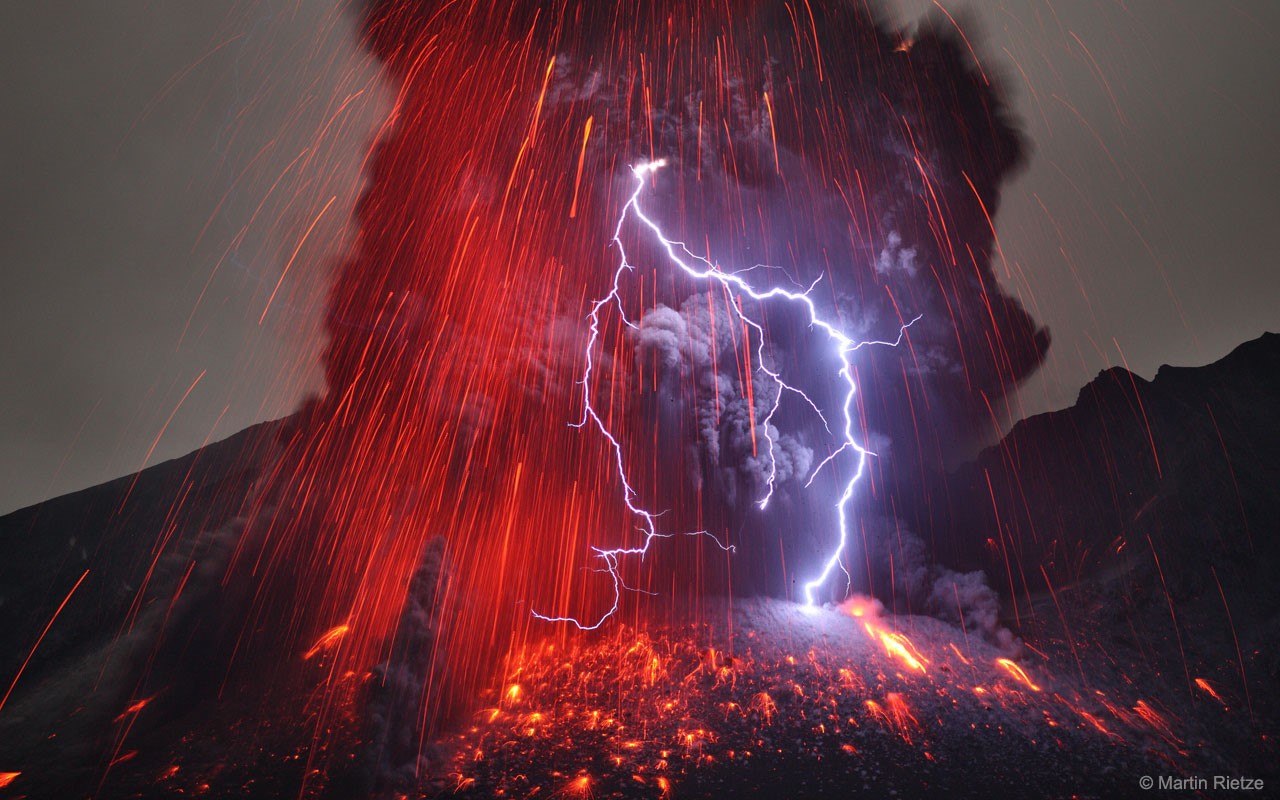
(665, 323)
(838, 162)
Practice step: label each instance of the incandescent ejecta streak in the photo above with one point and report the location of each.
(701, 268)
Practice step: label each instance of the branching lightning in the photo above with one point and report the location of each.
(700, 268)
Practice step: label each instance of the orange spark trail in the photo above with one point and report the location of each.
(329, 639)
(289, 264)
(582, 157)
(40, 638)
(1244, 680)
(1017, 672)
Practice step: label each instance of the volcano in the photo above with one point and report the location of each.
(1148, 647)
(645, 376)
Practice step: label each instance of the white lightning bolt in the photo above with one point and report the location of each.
(845, 347)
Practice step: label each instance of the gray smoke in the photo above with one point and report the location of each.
(396, 756)
(691, 349)
(902, 571)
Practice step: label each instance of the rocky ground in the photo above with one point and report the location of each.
(771, 700)
(802, 703)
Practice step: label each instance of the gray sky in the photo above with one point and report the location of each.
(1144, 223)
(163, 162)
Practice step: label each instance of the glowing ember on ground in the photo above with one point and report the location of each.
(774, 698)
(640, 712)
(1017, 672)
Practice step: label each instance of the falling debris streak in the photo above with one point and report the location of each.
(40, 638)
(1173, 616)
(160, 434)
(1066, 629)
(326, 641)
(1235, 640)
(967, 44)
(582, 155)
(1137, 396)
(284, 273)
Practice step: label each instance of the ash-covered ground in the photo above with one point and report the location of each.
(775, 700)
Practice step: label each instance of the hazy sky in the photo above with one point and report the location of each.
(166, 166)
(162, 162)
(1143, 224)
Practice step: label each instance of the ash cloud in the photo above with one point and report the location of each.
(840, 153)
(837, 153)
(689, 346)
(902, 570)
(395, 756)
(906, 231)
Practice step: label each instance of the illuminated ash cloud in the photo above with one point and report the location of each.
(874, 168)
(807, 141)
(689, 348)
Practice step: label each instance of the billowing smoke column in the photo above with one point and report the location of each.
(807, 147)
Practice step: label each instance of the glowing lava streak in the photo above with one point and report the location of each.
(680, 255)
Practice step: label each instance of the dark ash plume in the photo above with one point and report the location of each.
(829, 151)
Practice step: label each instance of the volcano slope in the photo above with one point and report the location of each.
(1148, 648)
(771, 698)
